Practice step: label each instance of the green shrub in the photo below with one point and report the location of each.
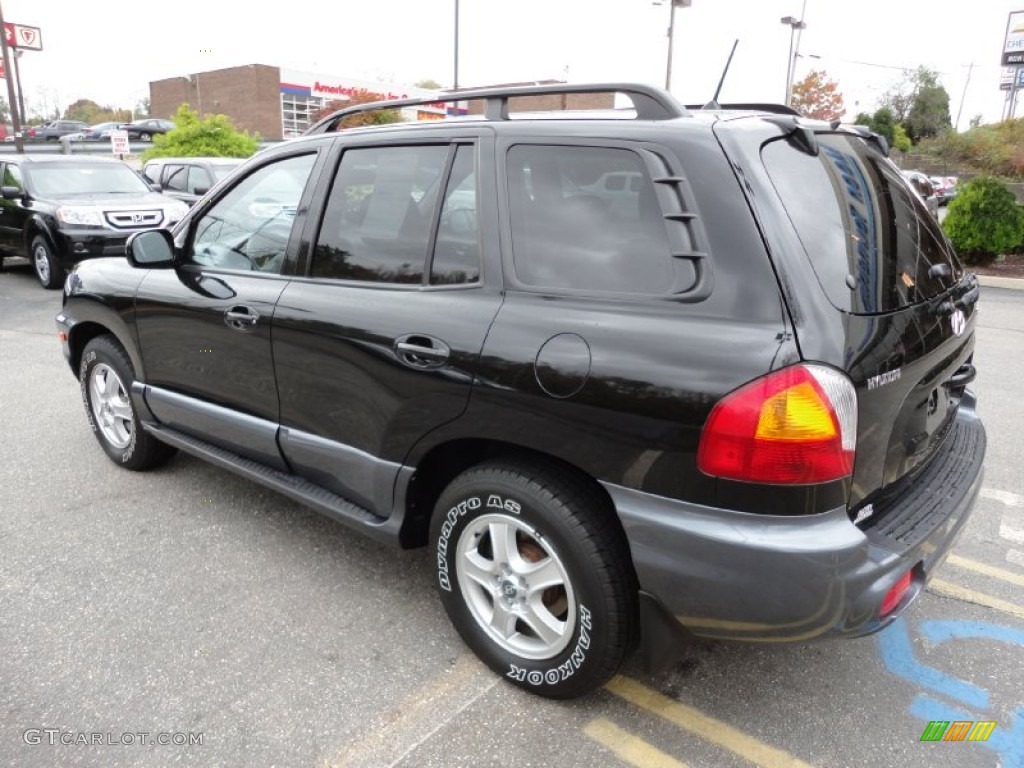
(212, 136)
(984, 220)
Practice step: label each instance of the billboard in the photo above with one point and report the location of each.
(1013, 45)
(1006, 78)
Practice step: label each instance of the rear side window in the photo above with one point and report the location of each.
(871, 241)
(586, 218)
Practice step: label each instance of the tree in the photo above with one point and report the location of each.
(378, 117)
(212, 136)
(900, 96)
(88, 111)
(818, 97)
(142, 108)
(428, 85)
(900, 140)
(929, 114)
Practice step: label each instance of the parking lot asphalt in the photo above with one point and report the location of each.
(192, 604)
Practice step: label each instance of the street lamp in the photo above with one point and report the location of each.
(673, 4)
(795, 25)
(455, 81)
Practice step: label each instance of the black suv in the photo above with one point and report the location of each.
(56, 211)
(700, 368)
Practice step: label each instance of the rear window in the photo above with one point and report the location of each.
(871, 241)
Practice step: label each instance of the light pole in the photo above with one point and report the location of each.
(673, 4)
(795, 25)
(455, 79)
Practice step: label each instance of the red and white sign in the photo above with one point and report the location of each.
(119, 142)
(20, 36)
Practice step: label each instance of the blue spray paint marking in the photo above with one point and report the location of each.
(898, 655)
(1007, 740)
(939, 631)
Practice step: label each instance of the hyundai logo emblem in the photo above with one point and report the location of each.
(958, 322)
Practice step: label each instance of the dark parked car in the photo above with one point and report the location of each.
(188, 178)
(98, 132)
(53, 131)
(56, 211)
(700, 368)
(145, 130)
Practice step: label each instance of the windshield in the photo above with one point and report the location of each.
(83, 179)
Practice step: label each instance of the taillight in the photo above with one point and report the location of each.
(794, 426)
(896, 594)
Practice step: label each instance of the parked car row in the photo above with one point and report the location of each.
(945, 187)
(76, 130)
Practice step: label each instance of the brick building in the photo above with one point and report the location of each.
(280, 103)
(274, 102)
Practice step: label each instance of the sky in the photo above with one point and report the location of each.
(110, 53)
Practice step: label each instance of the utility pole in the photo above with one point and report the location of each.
(19, 144)
(956, 125)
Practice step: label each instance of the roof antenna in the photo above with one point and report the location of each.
(713, 104)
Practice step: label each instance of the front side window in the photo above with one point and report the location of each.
(379, 214)
(248, 228)
(176, 177)
(586, 218)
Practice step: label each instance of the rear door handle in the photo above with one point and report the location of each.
(241, 317)
(422, 352)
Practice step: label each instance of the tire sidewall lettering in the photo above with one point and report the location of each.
(555, 675)
(452, 517)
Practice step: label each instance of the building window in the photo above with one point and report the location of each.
(297, 113)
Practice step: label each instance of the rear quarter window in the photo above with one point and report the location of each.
(871, 241)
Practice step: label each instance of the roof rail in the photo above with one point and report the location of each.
(776, 109)
(649, 103)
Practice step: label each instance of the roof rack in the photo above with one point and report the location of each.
(649, 103)
(776, 109)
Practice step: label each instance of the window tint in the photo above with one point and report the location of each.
(248, 228)
(457, 250)
(377, 223)
(176, 178)
(152, 172)
(571, 230)
(870, 239)
(198, 177)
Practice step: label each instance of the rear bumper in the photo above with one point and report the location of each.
(742, 576)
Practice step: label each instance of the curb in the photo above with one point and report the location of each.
(992, 281)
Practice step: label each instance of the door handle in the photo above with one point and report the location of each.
(241, 318)
(422, 352)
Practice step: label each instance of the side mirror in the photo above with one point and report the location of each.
(200, 190)
(11, 193)
(151, 249)
(155, 187)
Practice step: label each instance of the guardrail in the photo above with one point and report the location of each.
(85, 147)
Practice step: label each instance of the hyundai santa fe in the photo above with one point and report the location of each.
(728, 396)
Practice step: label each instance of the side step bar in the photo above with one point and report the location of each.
(301, 490)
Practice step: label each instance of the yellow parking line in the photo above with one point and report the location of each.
(941, 587)
(988, 570)
(627, 747)
(699, 724)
